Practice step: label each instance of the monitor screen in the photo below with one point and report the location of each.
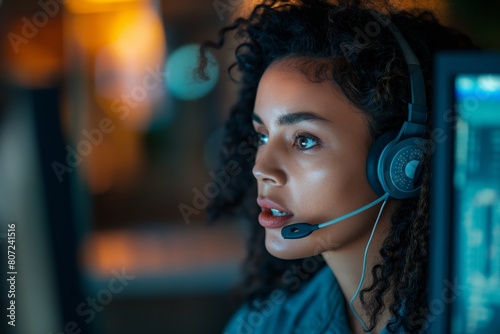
(476, 182)
(465, 198)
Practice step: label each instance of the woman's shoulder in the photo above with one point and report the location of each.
(317, 306)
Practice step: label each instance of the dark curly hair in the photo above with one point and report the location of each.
(337, 42)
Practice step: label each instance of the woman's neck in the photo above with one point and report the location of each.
(347, 265)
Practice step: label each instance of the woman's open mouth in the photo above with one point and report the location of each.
(272, 215)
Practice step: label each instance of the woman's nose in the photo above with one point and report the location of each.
(269, 166)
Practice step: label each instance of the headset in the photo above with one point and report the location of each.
(395, 159)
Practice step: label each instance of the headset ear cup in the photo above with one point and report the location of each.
(400, 168)
(373, 158)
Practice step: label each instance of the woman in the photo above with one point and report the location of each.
(320, 83)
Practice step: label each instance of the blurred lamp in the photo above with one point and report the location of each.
(181, 81)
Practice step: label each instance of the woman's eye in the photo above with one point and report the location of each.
(304, 142)
(260, 138)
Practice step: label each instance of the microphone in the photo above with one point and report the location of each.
(301, 230)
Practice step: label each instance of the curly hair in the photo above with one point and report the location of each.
(337, 42)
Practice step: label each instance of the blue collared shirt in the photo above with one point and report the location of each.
(318, 307)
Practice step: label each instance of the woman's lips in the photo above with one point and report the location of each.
(266, 218)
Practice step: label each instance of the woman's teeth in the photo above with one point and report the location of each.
(278, 213)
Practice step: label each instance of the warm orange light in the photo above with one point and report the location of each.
(128, 69)
(96, 6)
(162, 252)
(123, 53)
(35, 59)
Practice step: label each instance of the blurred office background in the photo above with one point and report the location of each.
(108, 151)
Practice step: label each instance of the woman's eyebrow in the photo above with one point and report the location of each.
(293, 118)
(257, 119)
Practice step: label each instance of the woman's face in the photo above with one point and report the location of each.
(310, 164)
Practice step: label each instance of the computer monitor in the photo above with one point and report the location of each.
(465, 197)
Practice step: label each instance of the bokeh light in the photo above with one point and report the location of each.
(181, 81)
(128, 66)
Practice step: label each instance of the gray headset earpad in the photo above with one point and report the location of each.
(399, 168)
